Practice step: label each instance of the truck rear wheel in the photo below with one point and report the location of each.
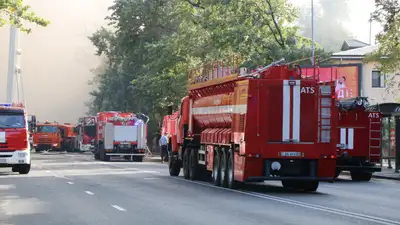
(360, 176)
(194, 165)
(232, 184)
(216, 174)
(224, 168)
(310, 186)
(174, 167)
(186, 168)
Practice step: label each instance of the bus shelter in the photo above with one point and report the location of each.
(390, 134)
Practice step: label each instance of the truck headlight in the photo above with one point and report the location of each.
(54, 145)
(21, 154)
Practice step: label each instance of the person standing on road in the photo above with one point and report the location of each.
(164, 147)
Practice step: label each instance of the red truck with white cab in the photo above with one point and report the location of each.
(271, 124)
(14, 138)
(120, 134)
(359, 146)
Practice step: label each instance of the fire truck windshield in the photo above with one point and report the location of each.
(46, 129)
(90, 131)
(12, 121)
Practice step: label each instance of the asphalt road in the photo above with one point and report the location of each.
(74, 189)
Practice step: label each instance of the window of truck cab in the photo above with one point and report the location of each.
(90, 130)
(12, 120)
(46, 129)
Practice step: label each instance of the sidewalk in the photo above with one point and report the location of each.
(386, 173)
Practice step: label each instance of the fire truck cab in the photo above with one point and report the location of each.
(120, 134)
(86, 133)
(47, 136)
(14, 138)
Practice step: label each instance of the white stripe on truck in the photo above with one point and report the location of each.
(293, 110)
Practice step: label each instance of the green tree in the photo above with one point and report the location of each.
(388, 55)
(154, 44)
(15, 12)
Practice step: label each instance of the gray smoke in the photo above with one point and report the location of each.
(57, 60)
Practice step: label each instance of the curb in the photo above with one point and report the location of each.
(376, 176)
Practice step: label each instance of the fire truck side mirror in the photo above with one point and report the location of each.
(170, 110)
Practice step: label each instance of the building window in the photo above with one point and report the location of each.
(378, 79)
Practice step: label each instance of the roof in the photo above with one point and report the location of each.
(357, 53)
(352, 44)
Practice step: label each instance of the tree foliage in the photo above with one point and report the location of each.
(388, 55)
(15, 12)
(151, 45)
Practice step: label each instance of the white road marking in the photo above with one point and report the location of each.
(69, 182)
(89, 193)
(304, 205)
(150, 178)
(118, 208)
(47, 171)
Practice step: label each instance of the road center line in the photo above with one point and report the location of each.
(303, 204)
(89, 193)
(69, 182)
(118, 208)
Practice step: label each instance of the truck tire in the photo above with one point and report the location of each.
(224, 168)
(103, 156)
(186, 169)
(309, 186)
(137, 159)
(24, 168)
(216, 174)
(337, 173)
(361, 176)
(194, 165)
(96, 156)
(232, 184)
(174, 167)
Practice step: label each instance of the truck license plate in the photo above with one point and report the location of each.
(295, 154)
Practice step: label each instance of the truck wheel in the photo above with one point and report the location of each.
(24, 168)
(96, 156)
(186, 164)
(216, 174)
(224, 168)
(14, 169)
(360, 176)
(309, 186)
(232, 184)
(288, 183)
(137, 158)
(194, 165)
(337, 173)
(174, 168)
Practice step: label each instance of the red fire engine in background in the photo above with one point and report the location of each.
(14, 138)
(267, 125)
(120, 134)
(86, 133)
(359, 148)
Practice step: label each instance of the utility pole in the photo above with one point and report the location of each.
(312, 34)
(370, 29)
(12, 54)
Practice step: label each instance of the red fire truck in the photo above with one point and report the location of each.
(271, 124)
(14, 138)
(86, 133)
(120, 134)
(359, 148)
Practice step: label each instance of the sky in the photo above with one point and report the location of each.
(57, 61)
